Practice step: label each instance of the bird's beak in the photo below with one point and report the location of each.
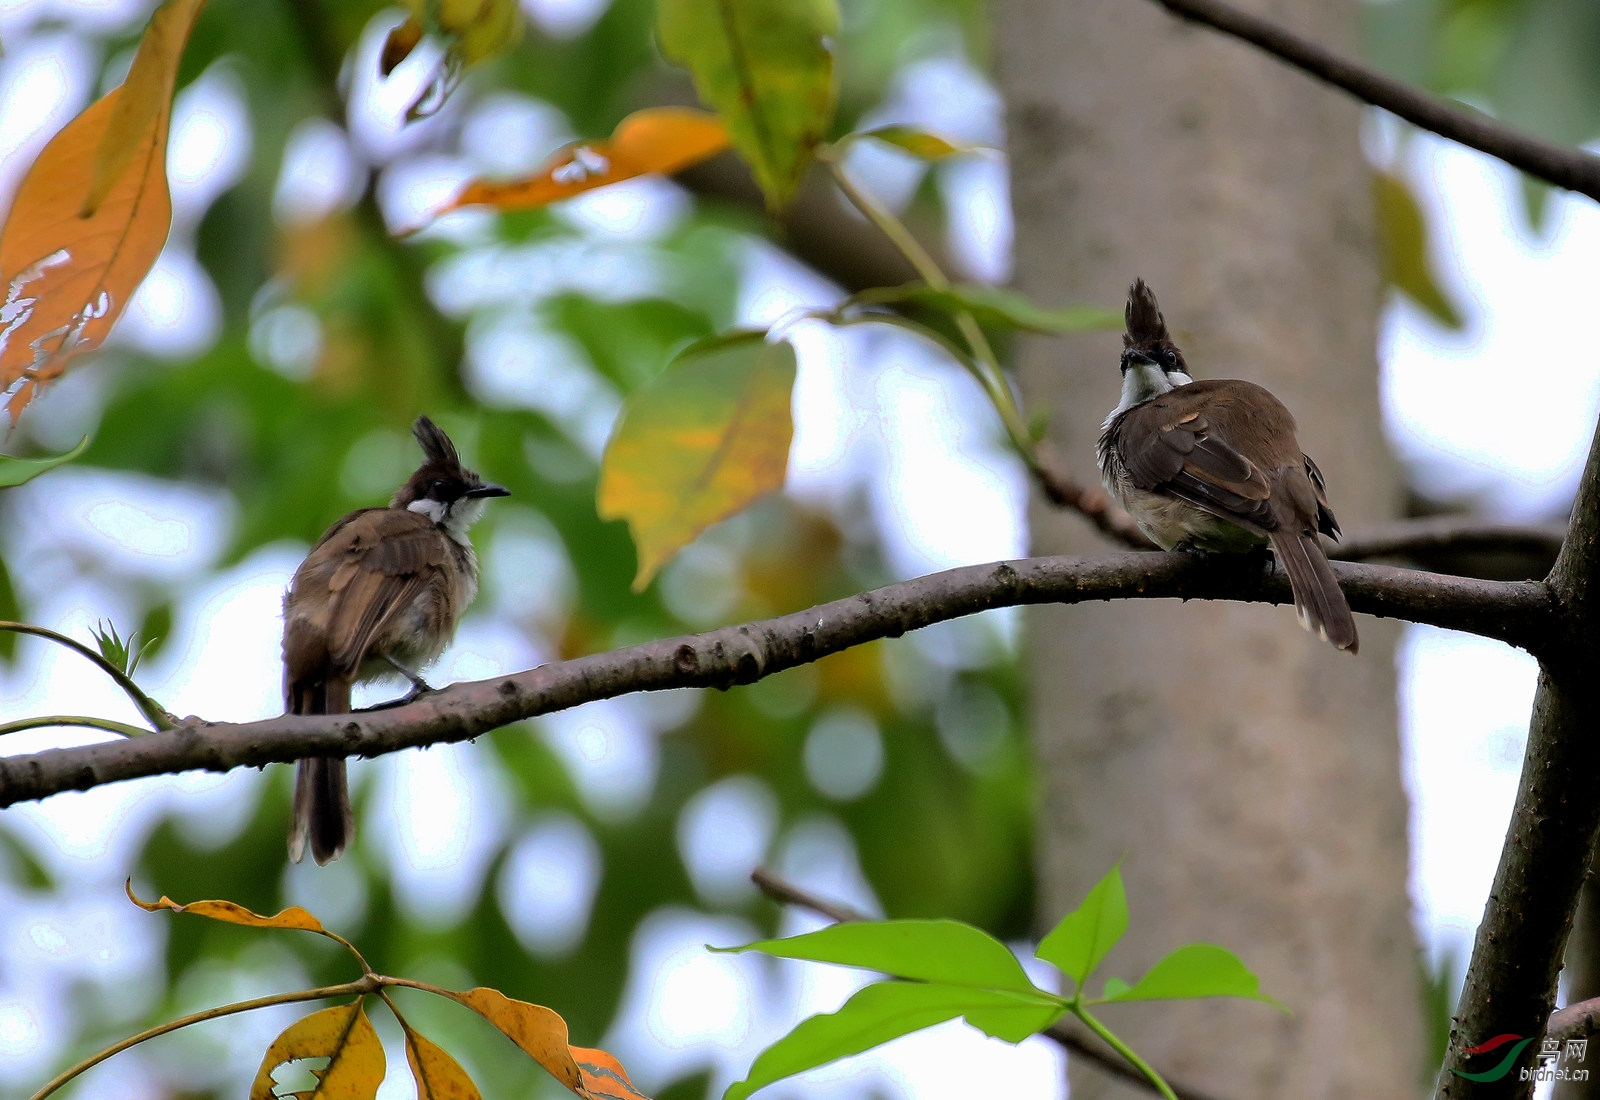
(488, 489)
(1132, 356)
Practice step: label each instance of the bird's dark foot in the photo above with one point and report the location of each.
(419, 688)
(1187, 547)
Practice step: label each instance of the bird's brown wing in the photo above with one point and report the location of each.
(385, 559)
(1326, 522)
(1179, 444)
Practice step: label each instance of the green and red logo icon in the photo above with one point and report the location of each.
(1506, 1063)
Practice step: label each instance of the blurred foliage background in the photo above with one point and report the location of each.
(520, 333)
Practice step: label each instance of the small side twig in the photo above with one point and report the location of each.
(157, 715)
(1560, 165)
(1090, 501)
(1465, 534)
(1061, 1032)
(1576, 1021)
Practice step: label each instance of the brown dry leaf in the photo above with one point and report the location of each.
(603, 1076)
(657, 139)
(292, 917)
(341, 1034)
(539, 1031)
(90, 217)
(438, 1076)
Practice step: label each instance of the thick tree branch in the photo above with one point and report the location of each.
(1063, 1032)
(1560, 165)
(1576, 1021)
(1518, 613)
(1516, 955)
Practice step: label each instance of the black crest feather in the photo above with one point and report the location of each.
(1145, 324)
(435, 444)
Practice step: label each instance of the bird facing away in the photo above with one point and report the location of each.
(1214, 466)
(381, 592)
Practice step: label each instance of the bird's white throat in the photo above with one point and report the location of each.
(1143, 381)
(455, 517)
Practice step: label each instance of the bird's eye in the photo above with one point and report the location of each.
(438, 486)
(1170, 356)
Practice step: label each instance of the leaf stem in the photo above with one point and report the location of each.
(1123, 1049)
(983, 363)
(107, 724)
(364, 985)
(153, 712)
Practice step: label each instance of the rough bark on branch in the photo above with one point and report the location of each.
(1560, 165)
(1516, 955)
(1517, 613)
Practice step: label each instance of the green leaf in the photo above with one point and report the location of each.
(765, 67)
(943, 951)
(1083, 937)
(1194, 970)
(10, 611)
(887, 1011)
(699, 443)
(1114, 987)
(18, 864)
(1403, 249)
(992, 306)
(919, 143)
(15, 471)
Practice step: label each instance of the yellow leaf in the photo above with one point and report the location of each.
(1403, 249)
(699, 443)
(144, 98)
(341, 1034)
(293, 917)
(539, 1031)
(438, 1076)
(657, 139)
(478, 29)
(603, 1076)
(70, 265)
(919, 143)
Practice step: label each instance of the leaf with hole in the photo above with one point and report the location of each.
(700, 442)
(658, 139)
(90, 217)
(345, 1037)
(766, 67)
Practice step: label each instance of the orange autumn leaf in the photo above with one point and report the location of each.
(438, 1076)
(539, 1031)
(90, 217)
(293, 917)
(341, 1034)
(657, 139)
(603, 1076)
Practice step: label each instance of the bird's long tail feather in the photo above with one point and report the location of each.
(1318, 601)
(321, 816)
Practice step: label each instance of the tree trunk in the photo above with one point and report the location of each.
(1244, 772)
